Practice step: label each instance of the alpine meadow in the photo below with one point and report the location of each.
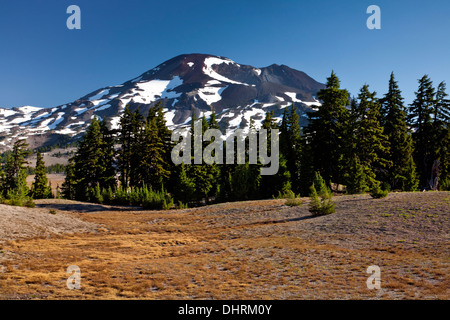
(205, 178)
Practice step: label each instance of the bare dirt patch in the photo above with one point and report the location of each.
(24, 223)
(242, 250)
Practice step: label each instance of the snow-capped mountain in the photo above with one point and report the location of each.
(236, 92)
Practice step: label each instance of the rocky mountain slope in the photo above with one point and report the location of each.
(204, 82)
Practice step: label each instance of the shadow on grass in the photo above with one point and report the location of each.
(280, 220)
(85, 207)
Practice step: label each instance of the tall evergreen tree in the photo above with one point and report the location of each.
(291, 144)
(441, 125)
(40, 189)
(325, 130)
(152, 168)
(399, 137)
(69, 185)
(108, 157)
(200, 174)
(185, 187)
(126, 139)
(372, 145)
(15, 173)
(357, 178)
(213, 169)
(93, 167)
(137, 127)
(271, 185)
(442, 106)
(420, 119)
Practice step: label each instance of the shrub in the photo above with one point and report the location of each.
(108, 195)
(319, 184)
(444, 185)
(289, 194)
(376, 192)
(293, 202)
(29, 203)
(95, 195)
(120, 196)
(181, 205)
(157, 200)
(15, 198)
(323, 205)
(167, 204)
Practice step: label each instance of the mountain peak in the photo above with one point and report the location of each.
(202, 81)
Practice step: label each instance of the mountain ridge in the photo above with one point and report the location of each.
(235, 91)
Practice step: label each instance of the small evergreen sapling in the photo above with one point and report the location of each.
(321, 200)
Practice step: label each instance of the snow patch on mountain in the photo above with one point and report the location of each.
(211, 94)
(293, 97)
(103, 107)
(208, 70)
(29, 109)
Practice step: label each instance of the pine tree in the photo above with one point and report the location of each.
(284, 133)
(254, 170)
(399, 137)
(372, 145)
(213, 169)
(271, 185)
(185, 188)
(15, 171)
(357, 180)
(107, 160)
(441, 129)
(420, 121)
(137, 127)
(325, 130)
(291, 144)
(126, 139)
(40, 188)
(442, 106)
(70, 181)
(306, 168)
(200, 174)
(165, 135)
(93, 163)
(411, 180)
(151, 170)
(321, 199)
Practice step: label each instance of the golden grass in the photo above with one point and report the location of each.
(207, 253)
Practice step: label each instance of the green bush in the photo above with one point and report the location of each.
(293, 202)
(376, 192)
(29, 203)
(120, 197)
(323, 205)
(167, 204)
(108, 195)
(157, 200)
(319, 184)
(444, 185)
(181, 205)
(289, 194)
(14, 198)
(95, 195)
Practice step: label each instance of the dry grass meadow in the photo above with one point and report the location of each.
(243, 250)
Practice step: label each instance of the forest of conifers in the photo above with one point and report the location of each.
(356, 144)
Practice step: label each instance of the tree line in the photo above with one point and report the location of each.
(354, 144)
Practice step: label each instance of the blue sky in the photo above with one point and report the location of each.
(42, 63)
